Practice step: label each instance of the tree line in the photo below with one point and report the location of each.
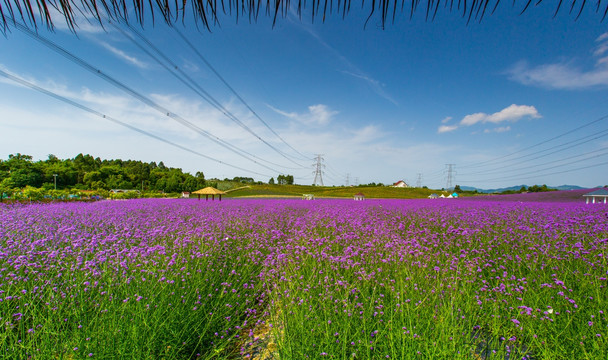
(85, 172)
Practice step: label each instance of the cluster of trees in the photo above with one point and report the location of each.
(282, 180)
(536, 188)
(86, 172)
(242, 179)
(533, 188)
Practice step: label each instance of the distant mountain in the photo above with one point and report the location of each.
(567, 187)
(517, 187)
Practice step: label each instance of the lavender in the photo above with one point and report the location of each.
(380, 279)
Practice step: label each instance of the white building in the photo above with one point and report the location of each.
(600, 195)
(400, 184)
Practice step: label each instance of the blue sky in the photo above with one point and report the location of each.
(380, 105)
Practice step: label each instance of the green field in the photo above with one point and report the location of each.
(378, 192)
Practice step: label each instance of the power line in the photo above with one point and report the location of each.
(549, 162)
(82, 63)
(203, 59)
(450, 175)
(544, 169)
(318, 170)
(539, 143)
(573, 143)
(194, 86)
(554, 173)
(106, 117)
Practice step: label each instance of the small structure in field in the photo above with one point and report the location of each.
(122, 191)
(455, 195)
(308, 196)
(400, 184)
(209, 191)
(600, 195)
(185, 194)
(359, 197)
(433, 196)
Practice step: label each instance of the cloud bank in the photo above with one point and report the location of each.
(566, 75)
(512, 113)
(317, 115)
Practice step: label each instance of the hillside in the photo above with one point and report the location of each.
(381, 192)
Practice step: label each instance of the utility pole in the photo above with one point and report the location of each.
(55, 178)
(318, 165)
(450, 176)
(419, 180)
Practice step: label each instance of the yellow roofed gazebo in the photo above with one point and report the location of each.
(209, 191)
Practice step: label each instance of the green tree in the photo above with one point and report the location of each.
(174, 183)
(23, 171)
(271, 181)
(200, 180)
(33, 193)
(190, 184)
(91, 177)
(285, 179)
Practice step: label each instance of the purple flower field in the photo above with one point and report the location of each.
(338, 279)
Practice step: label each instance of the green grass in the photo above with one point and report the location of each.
(158, 311)
(376, 192)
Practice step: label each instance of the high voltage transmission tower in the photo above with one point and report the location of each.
(348, 179)
(318, 170)
(418, 180)
(450, 175)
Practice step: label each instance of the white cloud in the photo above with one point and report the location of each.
(511, 113)
(83, 23)
(473, 119)
(560, 76)
(374, 84)
(446, 128)
(317, 115)
(565, 75)
(602, 37)
(498, 130)
(352, 69)
(601, 49)
(121, 54)
(107, 101)
(367, 134)
(368, 152)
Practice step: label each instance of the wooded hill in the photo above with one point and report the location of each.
(86, 172)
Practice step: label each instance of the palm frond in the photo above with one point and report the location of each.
(208, 12)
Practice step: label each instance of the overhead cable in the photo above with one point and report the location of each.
(85, 65)
(109, 118)
(538, 144)
(203, 59)
(193, 85)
